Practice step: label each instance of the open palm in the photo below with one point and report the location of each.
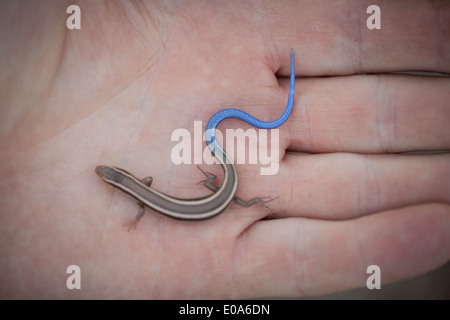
(113, 92)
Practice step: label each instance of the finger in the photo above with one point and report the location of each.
(333, 37)
(387, 113)
(302, 257)
(342, 186)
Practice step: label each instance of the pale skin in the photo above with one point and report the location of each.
(112, 93)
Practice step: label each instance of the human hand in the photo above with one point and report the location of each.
(114, 91)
